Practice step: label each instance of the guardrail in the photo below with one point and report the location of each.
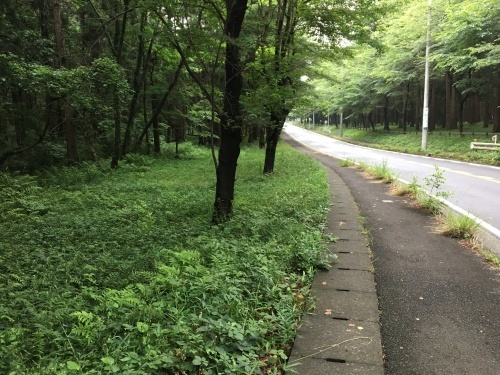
(485, 145)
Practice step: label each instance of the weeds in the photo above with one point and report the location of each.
(347, 163)
(412, 189)
(379, 171)
(457, 226)
(430, 196)
(491, 258)
(119, 272)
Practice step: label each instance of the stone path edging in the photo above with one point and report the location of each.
(342, 334)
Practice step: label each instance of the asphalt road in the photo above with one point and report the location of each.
(475, 188)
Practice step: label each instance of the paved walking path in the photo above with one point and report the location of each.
(439, 302)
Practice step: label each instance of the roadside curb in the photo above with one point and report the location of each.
(342, 333)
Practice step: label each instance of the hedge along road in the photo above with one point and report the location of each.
(475, 187)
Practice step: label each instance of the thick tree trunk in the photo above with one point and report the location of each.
(231, 120)
(273, 132)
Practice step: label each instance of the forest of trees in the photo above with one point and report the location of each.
(383, 83)
(93, 80)
(86, 80)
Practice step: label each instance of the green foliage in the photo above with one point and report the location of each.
(382, 172)
(431, 198)
(440, 143)
(434, 183)
(119, 272)
(347, 163)
(458, 226)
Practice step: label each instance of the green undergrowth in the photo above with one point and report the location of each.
(120, 272)
(440, 143)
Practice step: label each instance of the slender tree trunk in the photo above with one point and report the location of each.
(386, 113)
(448, 89)
(156, 123)
(451, 112)
(156, 113)
(485, 113)
(68, 124)
(231, 120)
(462, 100)
(418, 108)
(137, 84)
(496, 113)
(405, 105)
(118, 41)
(117, 130)
(18, 118)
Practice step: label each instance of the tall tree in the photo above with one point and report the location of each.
(231, 119)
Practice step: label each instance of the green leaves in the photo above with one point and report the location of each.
(123, 274)
(73, 366)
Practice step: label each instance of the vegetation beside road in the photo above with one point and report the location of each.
(447, 144)
(118, 271)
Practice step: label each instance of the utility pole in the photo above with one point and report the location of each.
(425, 117)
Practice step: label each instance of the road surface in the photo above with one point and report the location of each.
(475, 188)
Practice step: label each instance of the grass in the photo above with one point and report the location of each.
(381, 172)
(347, 163)
(491, 258)
(120, 272)
(457, 226)
(427, 196)
(440, 143)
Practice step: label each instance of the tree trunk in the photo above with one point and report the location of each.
(485, 113)
(68, 125)
(386, 113)
(262, 137)
(462, 100)
(137, 84)
(231, 120)
(156, 123)
(496, 113)
(451, 113)
(273, 132)
(405, 105)
(71, 146)
(117, 127)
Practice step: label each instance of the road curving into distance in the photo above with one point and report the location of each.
(475, 188)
